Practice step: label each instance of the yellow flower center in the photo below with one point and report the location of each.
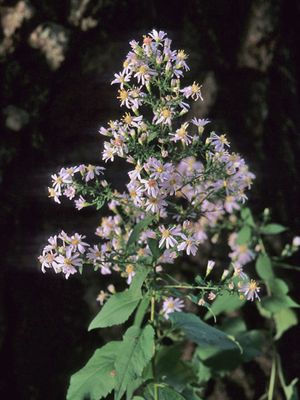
(127, 119)
(143, 69)
(68, 261)
(129, 269)
(166, 113)
(166, 233)
(195, 87)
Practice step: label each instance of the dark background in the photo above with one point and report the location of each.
(246, 54)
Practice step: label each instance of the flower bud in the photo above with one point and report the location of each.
(201, 302)
(209, 268)
(224, 275)
(296, 241)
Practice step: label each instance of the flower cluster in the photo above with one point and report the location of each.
(183, 179)
(64, 253)
(65, 184)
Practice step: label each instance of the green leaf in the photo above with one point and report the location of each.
(263, 267)
(276, 303)
(244, 235)
(284, 320)
(246, 216)
(116, 310)
(225, 302)
(164, 393)
(278, 286)
(171, 369)
(155, 250)
(137, 351)
(152, 136)
(191, 393)
(272, 229)
(141, 311)
(201, 333)
(251, 343)
(291, 390)
(138, 280)
(138, 229)
(138, 398)
(97, 378)
(120, 306)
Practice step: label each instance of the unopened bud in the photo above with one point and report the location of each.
(142, 138)
(296, 241)
(201, 302)
(111, 288)
(200, 130)
(209, 268)
(183, 111)
(224, 275)
(215, 238)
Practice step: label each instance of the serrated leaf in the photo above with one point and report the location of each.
(272, 229)
(116, 310)
(139, 279)
(141, 311)
(263, 267)
(97, 378)
(201, 333)
(225, 302)
(244, 235)
(120, 306)
(137, 351)
(138, 229)
(284, 320)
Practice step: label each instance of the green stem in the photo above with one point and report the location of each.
(281, 376)
(272, 380)
(191, 287)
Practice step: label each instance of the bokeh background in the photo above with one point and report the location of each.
(57, 59)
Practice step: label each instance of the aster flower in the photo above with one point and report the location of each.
(164, 116)
(54, 195)
(250, 290)
(230, 204)
(92, 171)
(155, 204)
(102, 297)
(170, 305)
(121, 78)
(108, 152)
(158, 36)
(182, 135)
(130, 272)
(150, 187)
(168, 238)
(80, 203)
(193, 91)
(76, 243)
(218, 141)
(189, 244)
(94, 254)
(67, 263)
